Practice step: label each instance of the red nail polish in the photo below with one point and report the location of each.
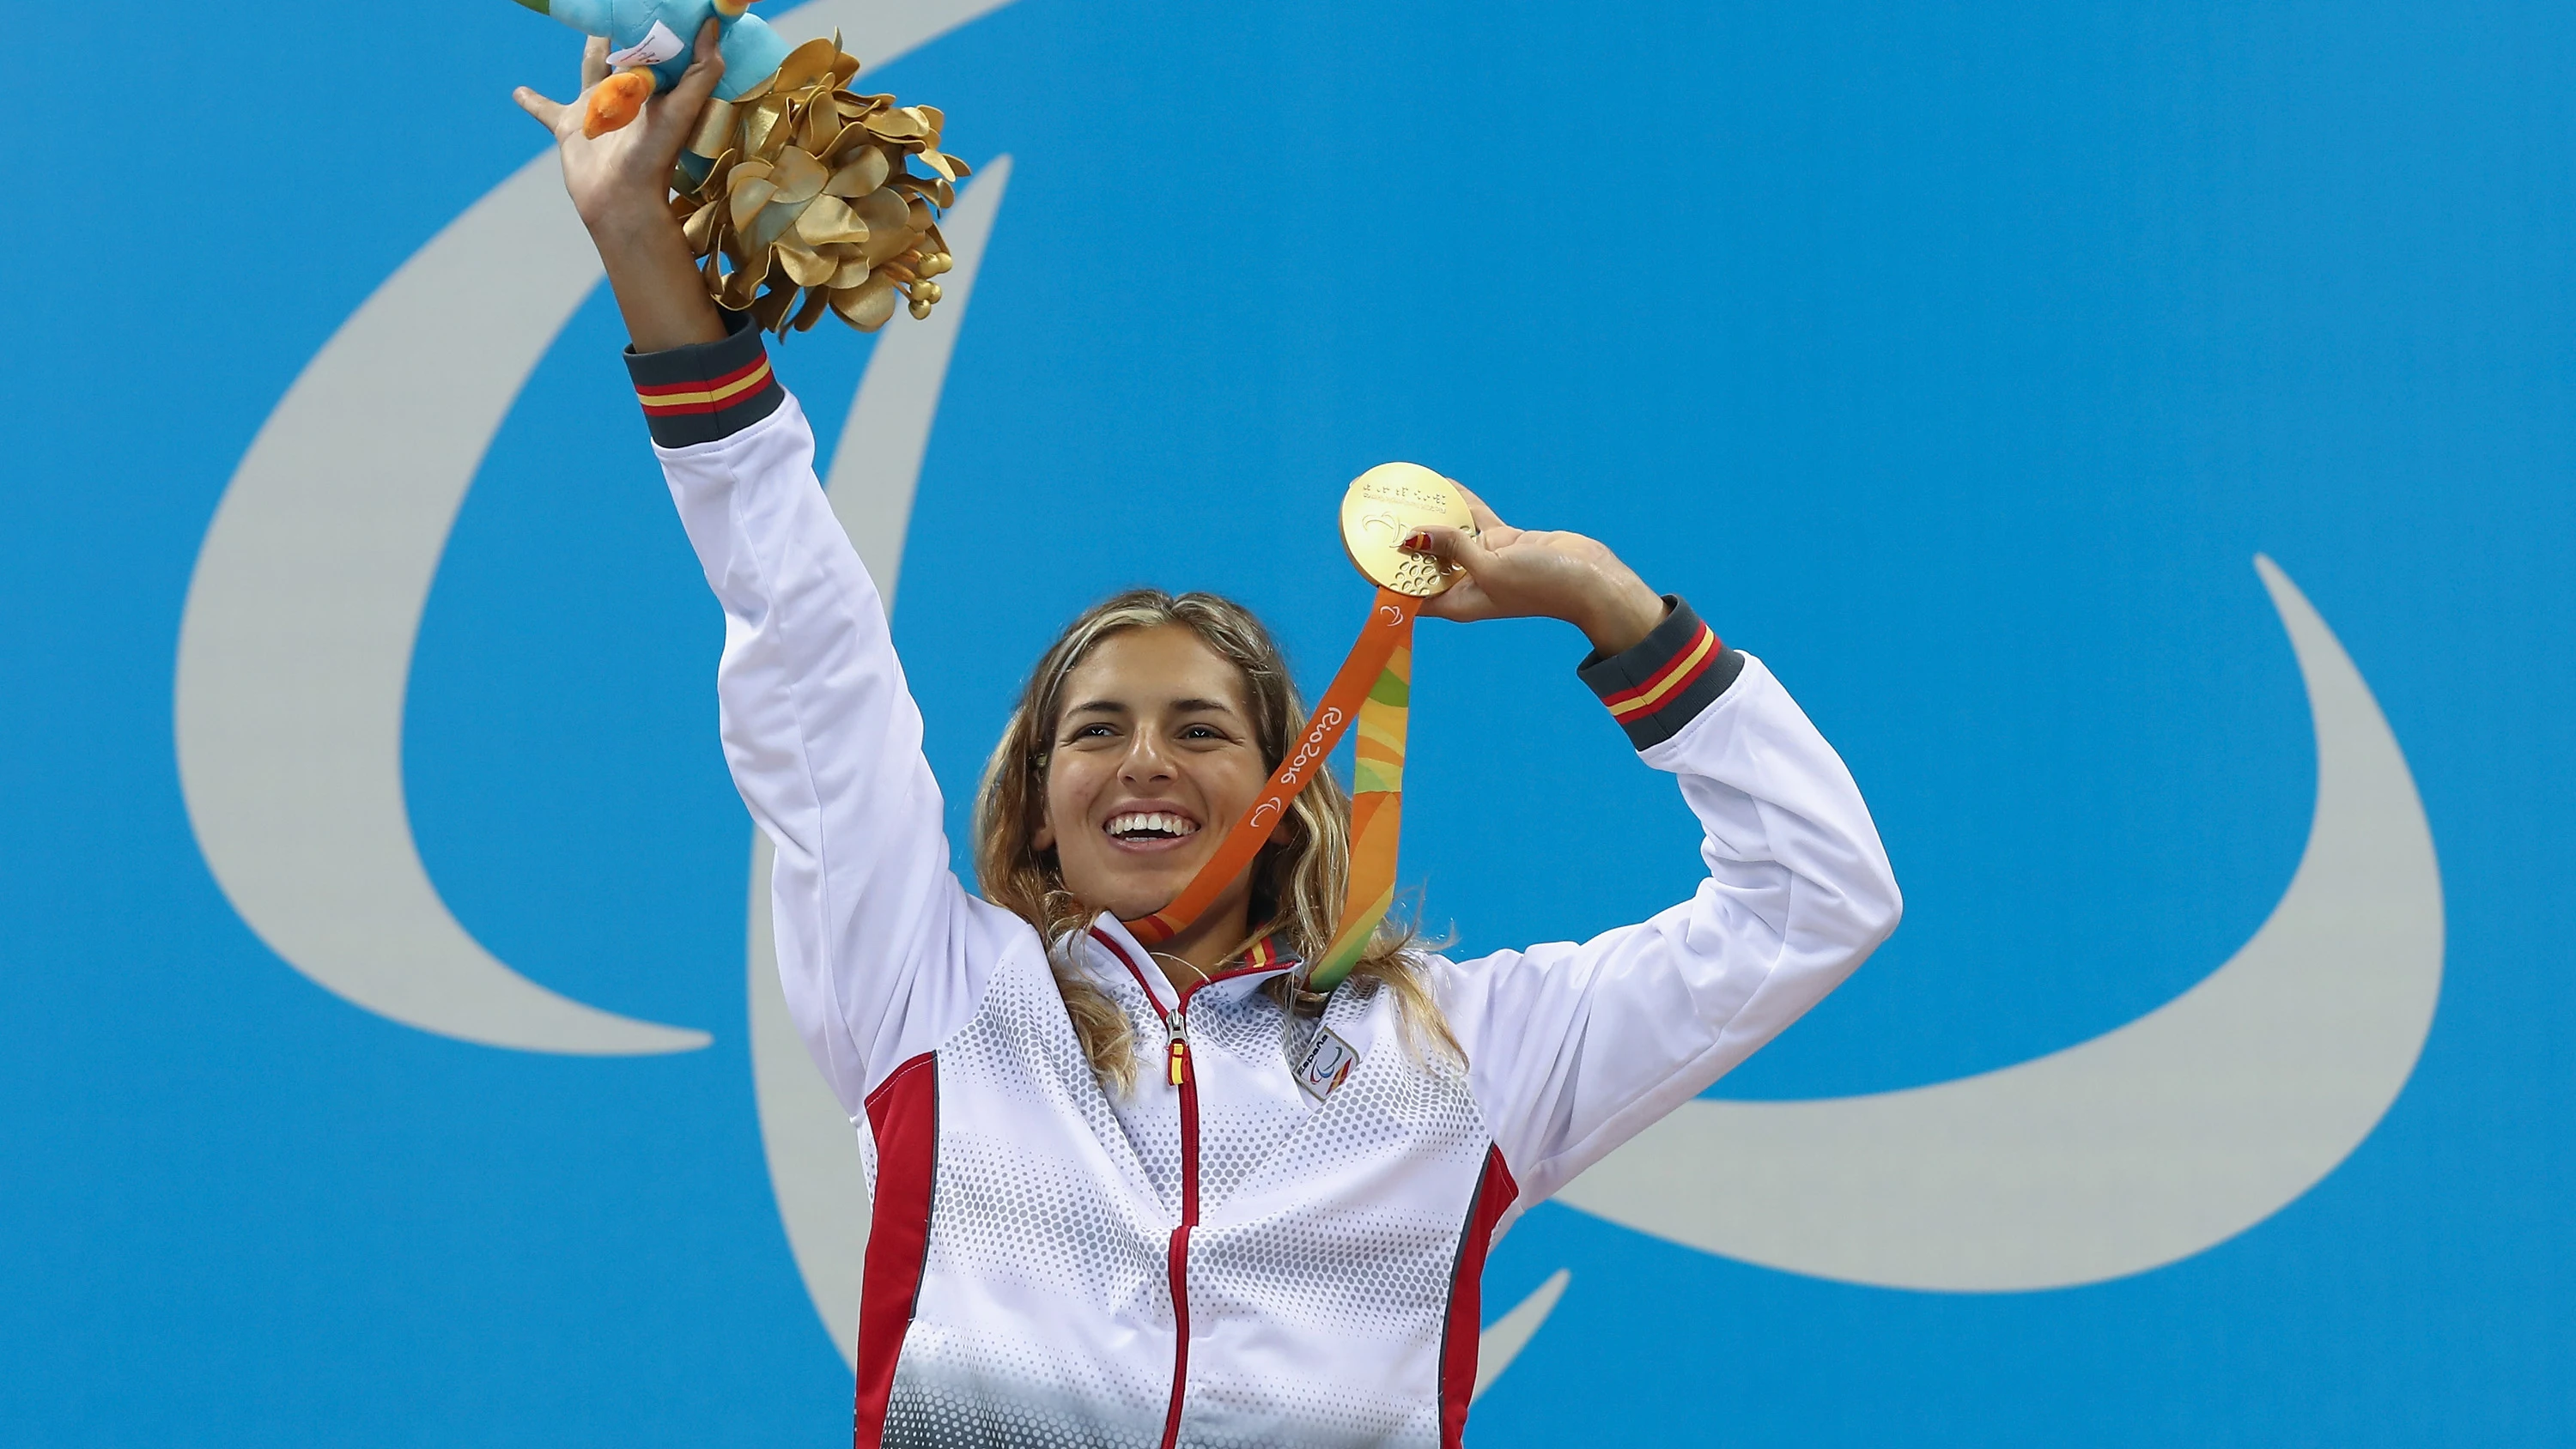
(1416, 541)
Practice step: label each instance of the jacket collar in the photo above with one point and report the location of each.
(1112, 952)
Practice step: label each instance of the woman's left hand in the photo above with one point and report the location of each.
(1520, 573)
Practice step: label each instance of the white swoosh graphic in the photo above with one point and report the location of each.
(2147, 1144)
(1497, 1346)
(295, 648)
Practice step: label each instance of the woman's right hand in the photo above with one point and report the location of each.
(620, 184)
(624, 177)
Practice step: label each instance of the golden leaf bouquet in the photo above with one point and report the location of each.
(798, 197)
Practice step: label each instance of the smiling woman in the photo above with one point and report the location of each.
(1277, 1240)
(1148, 721)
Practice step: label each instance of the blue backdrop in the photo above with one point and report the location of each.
(1957, 360)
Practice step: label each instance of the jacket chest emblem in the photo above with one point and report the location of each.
(1327, 1062)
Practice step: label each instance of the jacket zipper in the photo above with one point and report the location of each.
(1177, 1073)
(1178, 1023)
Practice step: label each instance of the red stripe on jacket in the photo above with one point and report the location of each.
(1495, 1193)
(903, 1113)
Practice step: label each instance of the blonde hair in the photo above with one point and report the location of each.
(1298, 880)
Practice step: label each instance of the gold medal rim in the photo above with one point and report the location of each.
(1386, 565)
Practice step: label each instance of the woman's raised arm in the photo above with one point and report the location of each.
(1572, 1048)
(881, 952)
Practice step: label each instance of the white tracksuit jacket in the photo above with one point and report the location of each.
(1230, 1262)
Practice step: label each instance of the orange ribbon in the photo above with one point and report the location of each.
(1390, 626)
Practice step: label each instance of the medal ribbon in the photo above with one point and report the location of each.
(1377, 808)
(1373, 687)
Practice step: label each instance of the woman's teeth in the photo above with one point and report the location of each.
(1150, 825)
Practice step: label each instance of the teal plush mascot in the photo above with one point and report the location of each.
(652, 40)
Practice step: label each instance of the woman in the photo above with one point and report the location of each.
(1132, 1197)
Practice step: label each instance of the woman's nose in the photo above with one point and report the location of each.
(1145, 758)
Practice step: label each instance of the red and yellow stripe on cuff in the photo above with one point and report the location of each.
(671, 399)
(1672, 679)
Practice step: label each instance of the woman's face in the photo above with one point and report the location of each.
(1151, 761)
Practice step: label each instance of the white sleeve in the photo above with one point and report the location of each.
(1573, 1049)
(882, 953)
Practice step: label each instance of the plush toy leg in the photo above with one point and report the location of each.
(616, 101)
(726, 8)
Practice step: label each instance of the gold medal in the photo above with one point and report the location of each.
(1387, 505)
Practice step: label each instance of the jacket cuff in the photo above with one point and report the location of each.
(706, 390)
(1667, 679)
